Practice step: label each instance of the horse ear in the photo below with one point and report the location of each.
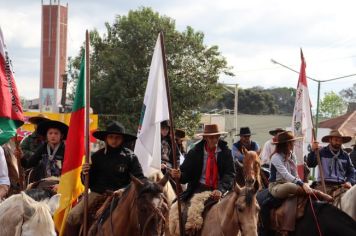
(53, 203)
(237, 188)
(244, 150)
(164, 180)
(136, 181)
(28, 208)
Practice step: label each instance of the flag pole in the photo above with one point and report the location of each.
(87, 138)
(171, 131)
(314, 138)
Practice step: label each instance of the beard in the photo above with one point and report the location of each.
(335, 146)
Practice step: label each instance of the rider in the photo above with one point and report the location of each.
(269, 147)
(207, 166)
(110, 170)
(245, 141)
(4, 176)
(284, 181)
(48, 158)
(336, 164)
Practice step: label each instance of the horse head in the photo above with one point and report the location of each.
(151, 205)
(247, 208)
(251, 166)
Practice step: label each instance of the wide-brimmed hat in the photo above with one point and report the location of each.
(179, 133)
(38, 119)
(244, 131)
(285, 137)
(336, 133)
(44, 126)
(114, 128)
(165, 123)
(210, 130)
(276, 131)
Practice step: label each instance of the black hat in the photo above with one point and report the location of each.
(43, 127)
(114, 128)
(165, 124)
(38, 119)
(276, 131)
(244, 131)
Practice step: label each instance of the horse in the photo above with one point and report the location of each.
(23, 216)
(347, 202)
(331, 221)
(236, 212)
(250, 170)
(141, 210)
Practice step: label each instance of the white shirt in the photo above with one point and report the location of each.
(4, 173)
(267, 150)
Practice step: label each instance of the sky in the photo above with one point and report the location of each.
(248, 33)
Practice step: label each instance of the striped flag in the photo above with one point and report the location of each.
(154, 111)
(11, 116)
(302, 124)
(70, 185)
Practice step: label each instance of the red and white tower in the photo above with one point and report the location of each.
(53, 54)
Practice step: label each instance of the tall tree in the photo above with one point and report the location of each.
(332, 105)
(120, 62)
(349, 94)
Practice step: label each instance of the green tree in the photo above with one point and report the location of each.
(120, 61)
(284, 98)
(332, 105)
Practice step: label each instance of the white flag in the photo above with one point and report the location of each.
(302, 124)
(155, 110)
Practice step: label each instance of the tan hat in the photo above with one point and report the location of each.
(38, 119)
(336, 133)
(210, 130)
(285, 137)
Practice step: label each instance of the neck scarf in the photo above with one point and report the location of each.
(334, 162)
(211, 172)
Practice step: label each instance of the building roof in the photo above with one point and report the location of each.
(346, 124)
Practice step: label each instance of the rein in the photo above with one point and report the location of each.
(314, 214)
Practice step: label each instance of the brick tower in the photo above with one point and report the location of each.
(53, 55)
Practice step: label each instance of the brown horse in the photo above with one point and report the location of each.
(142, 210)
(249, 171)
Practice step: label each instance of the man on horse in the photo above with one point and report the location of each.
(336, 164)
(208, 166)
(48, 158)
(4, 176)
(110, 170)
(245, 141)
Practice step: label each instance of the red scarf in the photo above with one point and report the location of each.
(211, 171)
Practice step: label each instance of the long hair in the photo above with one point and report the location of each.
(282, 147)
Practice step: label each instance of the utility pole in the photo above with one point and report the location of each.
(236, 102)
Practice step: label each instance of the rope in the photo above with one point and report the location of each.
(314, 215)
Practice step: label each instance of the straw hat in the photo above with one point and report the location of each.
(336, 133)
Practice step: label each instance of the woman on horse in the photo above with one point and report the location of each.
(48, 158)
(284, 181)
(110, 170)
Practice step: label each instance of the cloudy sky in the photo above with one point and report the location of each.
(248, 33)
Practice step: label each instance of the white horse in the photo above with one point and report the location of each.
(23, 216)
(348, 202)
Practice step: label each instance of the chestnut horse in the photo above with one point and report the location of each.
(249, 171)
(141, 210)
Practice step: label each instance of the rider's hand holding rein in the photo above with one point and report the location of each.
(18, 153)
(85, 168)
(216, 194)
(306, 188)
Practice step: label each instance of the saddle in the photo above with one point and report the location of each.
(283, 218)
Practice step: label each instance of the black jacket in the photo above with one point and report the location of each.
(111, 169)
(192, 167)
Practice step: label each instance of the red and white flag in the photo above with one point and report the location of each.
(302, 125)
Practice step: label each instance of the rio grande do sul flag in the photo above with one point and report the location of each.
(155, 110)
(70, 185)
(302, 120)
(11, 116)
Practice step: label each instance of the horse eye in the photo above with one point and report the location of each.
(240, 208)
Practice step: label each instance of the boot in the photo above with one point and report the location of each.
(322, 196)
(71, 230)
